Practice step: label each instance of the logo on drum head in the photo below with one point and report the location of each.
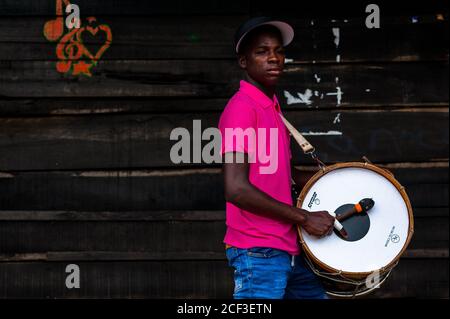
(314, 200)
(395, 238)
(392, 237)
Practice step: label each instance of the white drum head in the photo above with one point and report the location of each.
(389, 220)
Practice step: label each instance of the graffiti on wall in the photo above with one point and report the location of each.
(74, 56)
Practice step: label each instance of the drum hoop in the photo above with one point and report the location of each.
(390, 177)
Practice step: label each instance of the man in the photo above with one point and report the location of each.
(261, 239)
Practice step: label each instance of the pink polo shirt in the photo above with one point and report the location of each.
(251, 108)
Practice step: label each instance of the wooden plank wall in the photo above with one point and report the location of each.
(85, 173)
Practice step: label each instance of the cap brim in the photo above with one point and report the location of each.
(287, 32)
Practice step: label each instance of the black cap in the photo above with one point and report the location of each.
(287, 32)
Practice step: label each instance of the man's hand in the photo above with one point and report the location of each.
(318, 223)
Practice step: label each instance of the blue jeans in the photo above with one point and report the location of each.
(271, 273)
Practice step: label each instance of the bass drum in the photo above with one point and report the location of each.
(357, 265)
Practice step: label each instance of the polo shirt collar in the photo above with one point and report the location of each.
(257, 95)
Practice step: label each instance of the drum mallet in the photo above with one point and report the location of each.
(363, 206)
(338, 226)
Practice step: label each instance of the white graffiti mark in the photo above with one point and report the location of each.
(330, 133)
(337, 119)
(336, 79)
(338, 58)
(316, 93)
(288, 60)
(338, 95)
(302, 98)
(317, 78)
(336, 36)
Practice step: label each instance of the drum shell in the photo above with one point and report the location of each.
(358, 276)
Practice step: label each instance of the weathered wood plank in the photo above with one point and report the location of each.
(31, 237)
(130, 7)
(134, 141)
(393, 42)
(431, 212)
(187, 279)
(425, 253)
(151, 216)
(414, 278)
(91, 106)
(148, 216)
(169, 256)
(156, 237)
(164, 190)
(14, 107)
(427, 172)
(164, 38)
(100, 191)
(52, 256)
(373, 84)
(202, 7)
(430, 232)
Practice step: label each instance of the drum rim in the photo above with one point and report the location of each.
(389, 176)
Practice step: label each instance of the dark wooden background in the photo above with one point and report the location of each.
(85, 173)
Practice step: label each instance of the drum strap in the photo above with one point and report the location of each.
(307, 148)
(301, 140)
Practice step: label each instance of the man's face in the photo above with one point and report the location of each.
(264, 59)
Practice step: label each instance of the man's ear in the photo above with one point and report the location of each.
(242, 61)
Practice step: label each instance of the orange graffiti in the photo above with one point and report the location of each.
(72, 54)
(82, 68)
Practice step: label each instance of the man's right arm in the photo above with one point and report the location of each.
(241, 193)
